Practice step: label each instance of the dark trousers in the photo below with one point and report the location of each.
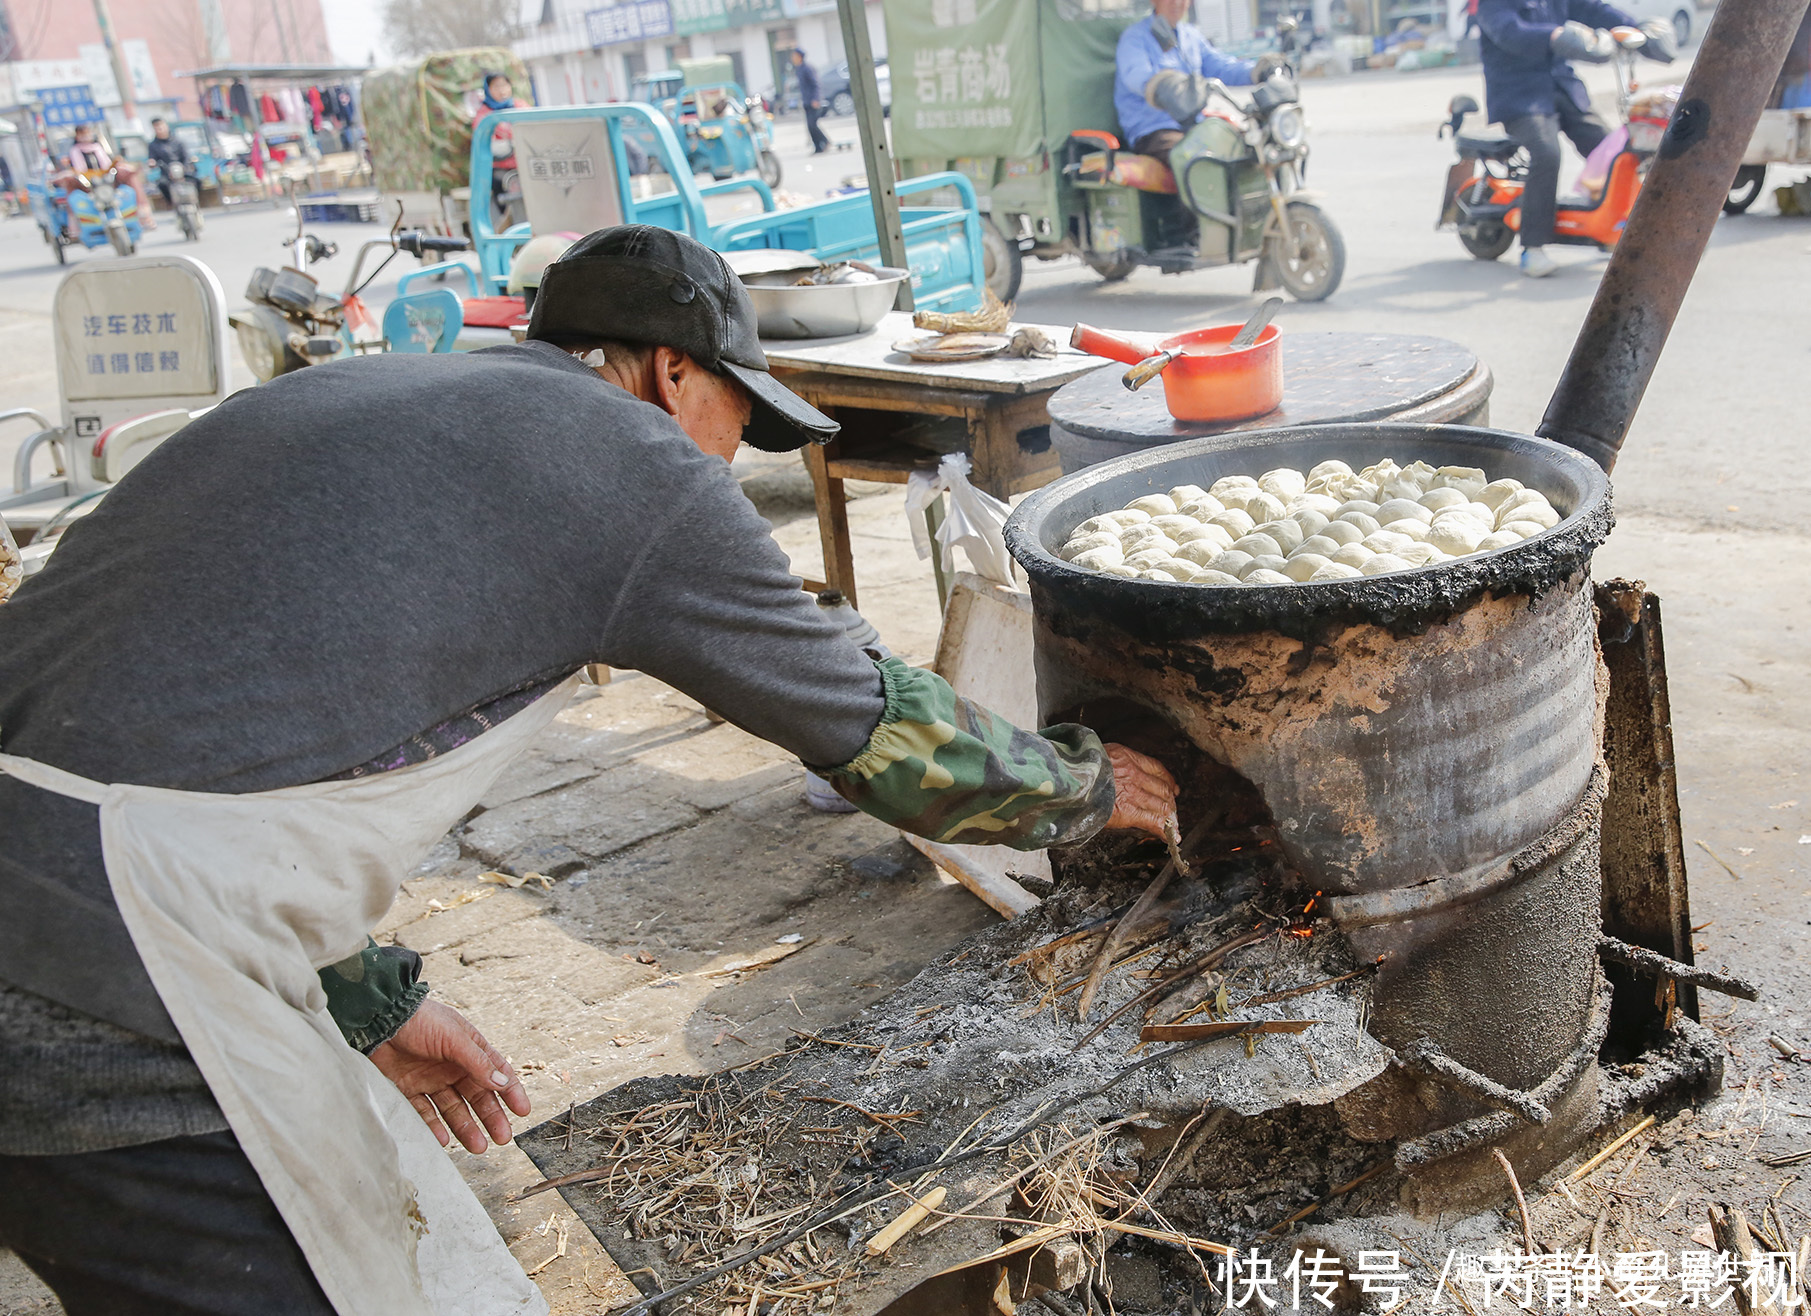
(180, 1227)
(1157, 145)
(1538, 134)
(819, 142)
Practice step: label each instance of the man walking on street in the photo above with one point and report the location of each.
(811, 100)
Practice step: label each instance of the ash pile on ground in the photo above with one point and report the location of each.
(981, 1056)
(978, 1073)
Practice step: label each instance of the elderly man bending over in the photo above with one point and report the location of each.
(283, 657)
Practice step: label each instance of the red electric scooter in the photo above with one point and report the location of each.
(1483, 198)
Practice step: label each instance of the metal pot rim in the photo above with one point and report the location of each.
(1405, 601)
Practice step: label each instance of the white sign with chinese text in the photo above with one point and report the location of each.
(568, 175)
(966, 78)
(138, 335)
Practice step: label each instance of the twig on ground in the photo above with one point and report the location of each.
(854, 1046)
(1223, 1028)
(1104, 960)
(1521, 1202)
(1271, 998)
(988, 1194)
(1142, 906)
(885, 1119)
(1719, 858)
(1332, 1196)
(1439, 1278)
(565, 1228)
(1197, 965)
(906, 1220)
(1591, 1165)
(1730, 1230)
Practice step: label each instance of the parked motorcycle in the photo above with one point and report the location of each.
(1233, 192)
(185, 199)
(1483, 197)
(292, 324)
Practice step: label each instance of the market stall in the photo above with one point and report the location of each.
(299, 127)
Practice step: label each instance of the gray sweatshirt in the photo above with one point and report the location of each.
(315, 573)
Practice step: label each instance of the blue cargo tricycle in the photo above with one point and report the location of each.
(574, 163)
(726, 131)
(93, 208)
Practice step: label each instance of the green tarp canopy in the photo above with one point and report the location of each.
(1008, 78)
(418, 117)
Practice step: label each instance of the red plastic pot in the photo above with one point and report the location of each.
(1206, 382)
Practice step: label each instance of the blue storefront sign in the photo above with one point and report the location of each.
(67, 106)
(636, 21)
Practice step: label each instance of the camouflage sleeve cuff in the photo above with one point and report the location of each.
(947, 769)
(373, 993)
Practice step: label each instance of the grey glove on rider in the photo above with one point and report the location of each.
(1662, 45)
(1180, 95)
(1582, 41)
(1268, 63)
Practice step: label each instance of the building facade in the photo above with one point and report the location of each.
(57, 44)
(582, 51)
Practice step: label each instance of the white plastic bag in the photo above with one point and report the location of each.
(973, 522)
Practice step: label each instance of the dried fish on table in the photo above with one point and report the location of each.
(992, 318)
(1029, 341)
(847, 271)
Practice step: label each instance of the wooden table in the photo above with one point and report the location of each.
(900, 415)
(1328, 377)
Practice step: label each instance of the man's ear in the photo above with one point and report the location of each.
(669, 368)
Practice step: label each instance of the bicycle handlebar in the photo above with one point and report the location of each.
(417, 243)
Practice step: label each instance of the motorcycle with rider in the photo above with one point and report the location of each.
(1508, 183)
(1120, 135)
(176, 178)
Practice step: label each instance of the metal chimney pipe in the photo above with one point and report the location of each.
(1626, 328)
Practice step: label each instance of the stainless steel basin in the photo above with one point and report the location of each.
(826, 310)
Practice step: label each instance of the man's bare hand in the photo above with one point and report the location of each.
(452, 1076)
(1144, 793)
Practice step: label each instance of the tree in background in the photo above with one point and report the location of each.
(420, 27)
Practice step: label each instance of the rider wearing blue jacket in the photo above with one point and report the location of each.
(1154, 110)
(1530, 88)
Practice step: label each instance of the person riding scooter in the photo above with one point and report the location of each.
(1160, 68)
(89, 156)
(1530, 88)
(498, 95)
(167, 150)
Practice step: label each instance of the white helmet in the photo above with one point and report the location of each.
(536, 255)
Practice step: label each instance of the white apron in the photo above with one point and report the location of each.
(234, 902)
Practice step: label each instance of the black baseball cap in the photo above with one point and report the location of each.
(636, 283)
